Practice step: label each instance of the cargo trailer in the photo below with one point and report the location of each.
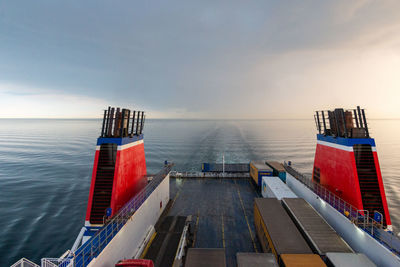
(204, 257)
(273, 187)
(278, 169)
(258, 169)
(256, 259)
(275, 230)
(298, 260)
(319, 234)
(348, 260)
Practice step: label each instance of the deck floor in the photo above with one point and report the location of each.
(222, 211)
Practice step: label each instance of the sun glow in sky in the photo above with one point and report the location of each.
(200, 59)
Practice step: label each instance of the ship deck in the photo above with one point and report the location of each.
(222, 212)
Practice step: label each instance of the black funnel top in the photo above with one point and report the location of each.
(342, 123)
(118, 123)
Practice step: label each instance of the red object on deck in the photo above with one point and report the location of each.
(135, 263)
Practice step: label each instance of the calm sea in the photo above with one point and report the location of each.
(46, 165)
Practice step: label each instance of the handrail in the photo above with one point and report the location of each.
(359, 217)
(175, 174)
(78, 239)
(92, 248)
(24, 263)
(54, 262)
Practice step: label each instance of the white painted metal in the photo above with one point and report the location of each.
(149, 234)
(359, 240)
(78, 240)
(175, 174)
(127, 241)
(48, 263)
(273, 187)
(178, 261)
(349, 259)
(55, 262)
(24, 263)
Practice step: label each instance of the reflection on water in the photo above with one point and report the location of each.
(45, 168)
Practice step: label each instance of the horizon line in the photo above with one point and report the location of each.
(166, 118)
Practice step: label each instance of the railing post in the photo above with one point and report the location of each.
(372, 228)
(99, 246)
(334, 201)
(91, 251)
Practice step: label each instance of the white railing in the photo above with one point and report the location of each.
(54, 262)
(78, 240)
(180, 253)
(175, 174)
(24, 263)
(49, 262)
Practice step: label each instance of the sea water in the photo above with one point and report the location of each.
(46, 167)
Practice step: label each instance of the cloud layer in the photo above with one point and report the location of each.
(258, 59)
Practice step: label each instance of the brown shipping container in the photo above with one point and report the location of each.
(301, 260)
(276, 165)
(256, 259)
(275, 229)
(205, 257)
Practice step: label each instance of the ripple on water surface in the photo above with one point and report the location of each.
(46, 165)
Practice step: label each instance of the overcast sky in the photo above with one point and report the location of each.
(199, 59)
